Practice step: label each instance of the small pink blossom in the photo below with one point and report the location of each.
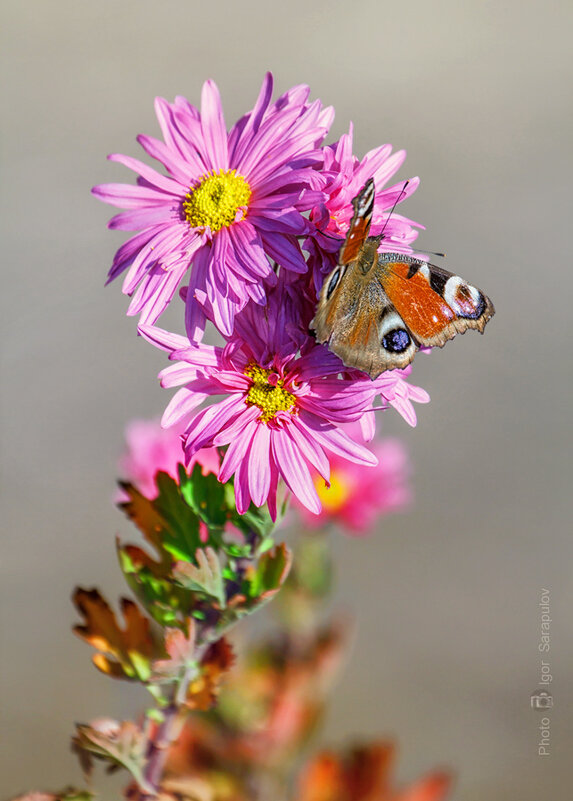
(345, 176)
(151, 448)
(359, 495)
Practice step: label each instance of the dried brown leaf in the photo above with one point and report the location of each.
(122, 653)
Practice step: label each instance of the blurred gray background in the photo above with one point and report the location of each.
(446, 596)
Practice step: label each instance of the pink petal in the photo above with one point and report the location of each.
(285, 250)
(244, 419)
(177, 374)
(235, 454)
(155, 292)
(162, 339)
(174, 138)
(335, 440)
(242, 494)
(310, 449)
(129, 196)
(274, 480)
(137, 219)
(210, 422)
(253, 122)
(259, 474)
(176, 165)
(213, 127)
(368, 425)
(127, 252)
(181, 404)
(294, 470)
(279, 220)
(160, 182)
(199, 355)
(249, 249)
(167, 243)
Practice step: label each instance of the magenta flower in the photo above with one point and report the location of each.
(151, 448)
(230, 202)
(358, 495)
(345, 177)
(282, 414)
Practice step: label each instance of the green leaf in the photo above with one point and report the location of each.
(271, 571)
(261, 583)
(152, 584)
(205, 577)
(206, 496)
(182, 528)
(166, 522)
(255, 519)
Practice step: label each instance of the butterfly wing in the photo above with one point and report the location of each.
(359, 322)
(354, 314)
(363, 205)
(375, 310)
(434, 304)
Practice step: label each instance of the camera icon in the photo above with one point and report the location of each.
(541, 700)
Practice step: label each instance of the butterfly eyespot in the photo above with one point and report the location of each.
(466, 301)
(333, 282)
(396, 341)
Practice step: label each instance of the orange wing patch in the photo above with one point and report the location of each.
(355, 240)
(424, 311)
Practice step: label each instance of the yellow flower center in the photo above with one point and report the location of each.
(334, 497)
(214, 203)
(270, 398)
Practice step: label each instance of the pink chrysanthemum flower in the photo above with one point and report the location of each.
(357, 495)
(345, 177)
(230, 202)
(286, 402)
(151, 448)
(282, 413)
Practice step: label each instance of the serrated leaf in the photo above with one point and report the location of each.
(270, 573)
(256, 519)
(151, 585)
(122, 744)
(167, 522)
(261, 583)
(206, 496)
(237, 551)
(180, 647)
(205, 577)
(362, 774)
(122, 653)
(217, 661)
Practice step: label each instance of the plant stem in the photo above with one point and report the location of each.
(168, 732)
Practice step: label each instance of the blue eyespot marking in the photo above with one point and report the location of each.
(396, 341)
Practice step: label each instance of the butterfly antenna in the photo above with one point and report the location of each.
(403, 192)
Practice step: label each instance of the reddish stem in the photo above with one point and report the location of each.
(167, 734)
